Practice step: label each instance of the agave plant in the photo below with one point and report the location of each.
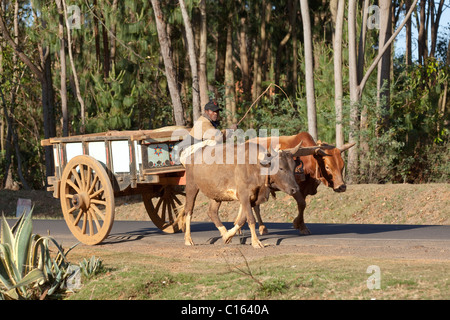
(25, 261)
(91, 267)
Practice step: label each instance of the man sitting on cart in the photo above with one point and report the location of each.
(204, 132)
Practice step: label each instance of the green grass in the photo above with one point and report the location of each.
(299, 276)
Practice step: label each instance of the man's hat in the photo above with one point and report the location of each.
(213, 106)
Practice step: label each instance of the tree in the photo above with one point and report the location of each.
(356, 87)
(203, 78)
(74, 71)
(43, 74)
(166, 52)
(338, 14)
(230, 98)
(192, 61)
(309, 70)
(384, 66)
(62, 59)
(243, 55)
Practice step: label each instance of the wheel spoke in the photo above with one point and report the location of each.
(96, 193)
(176, 208)
(88, 179)
(77, 219)
(169, 211)
(71, 210)
(97, 211)
(93, 184)
(83, 229)
(158, 204)
(96, 201)
(95, 218)
(91, 227)
(83, 183)
(163, 211)
(74, 186)
(177, 200)
(77, 178)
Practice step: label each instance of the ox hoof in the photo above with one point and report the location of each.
(305, 231)
(263, 230)
(296, 224)
(227, 237)
(257, 244)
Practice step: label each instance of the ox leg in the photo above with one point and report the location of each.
(187, 234)
(262, 228)
(247, 209)
(213, 213)
(191, 195)
(299, 222)
(238, 223)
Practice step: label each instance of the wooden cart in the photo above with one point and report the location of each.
(91, 170)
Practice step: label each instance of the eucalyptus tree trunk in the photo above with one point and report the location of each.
(352, 163)
(309, 69)
(244, 59)
(338, 87)
(196, 110)
(384, 66)
(202, 74)
(166, 53)
(230, 99)
(62, 58)
(74, 71)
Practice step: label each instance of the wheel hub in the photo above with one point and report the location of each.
(81, 201)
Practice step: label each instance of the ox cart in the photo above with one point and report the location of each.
(92, 170)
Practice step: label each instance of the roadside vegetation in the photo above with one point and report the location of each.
(36, 267)
(230, 276)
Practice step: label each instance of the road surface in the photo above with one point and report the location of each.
(404, 241)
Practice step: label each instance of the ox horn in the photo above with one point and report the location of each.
(298, 151)
(320, 152)
(293, 150)
(273, 152)
(346, 146)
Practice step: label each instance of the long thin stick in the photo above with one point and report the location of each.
(268, 87)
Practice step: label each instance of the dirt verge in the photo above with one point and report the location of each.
(426, 204)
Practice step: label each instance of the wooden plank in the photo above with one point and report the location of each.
(157, 135)
(161, 170)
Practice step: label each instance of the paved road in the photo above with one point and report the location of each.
(145, 232)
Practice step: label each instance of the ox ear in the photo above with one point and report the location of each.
(346, 146)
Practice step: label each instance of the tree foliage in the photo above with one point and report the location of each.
(123, 82)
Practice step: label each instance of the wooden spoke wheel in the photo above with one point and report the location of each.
(164, 205)
(87, 199)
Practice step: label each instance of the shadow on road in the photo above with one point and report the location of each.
(280, 232)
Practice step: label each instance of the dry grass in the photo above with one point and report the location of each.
(229, 275)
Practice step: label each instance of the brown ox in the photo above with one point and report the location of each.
(325, 166)
(241, 181)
